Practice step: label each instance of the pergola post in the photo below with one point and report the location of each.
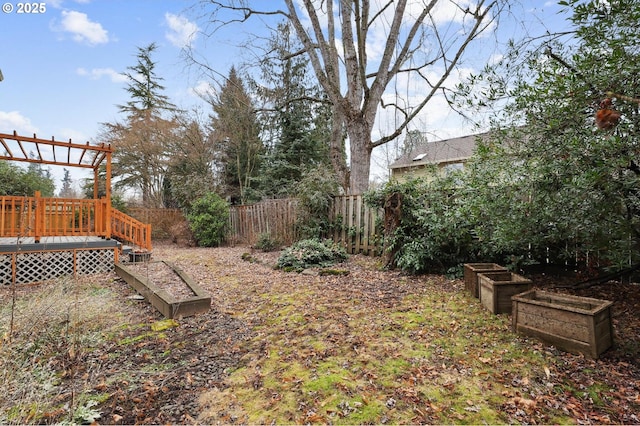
(107, 192)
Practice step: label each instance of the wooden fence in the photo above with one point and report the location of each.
(354, 224)
(278, 218)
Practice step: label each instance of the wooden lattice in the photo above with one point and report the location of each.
(33, 267)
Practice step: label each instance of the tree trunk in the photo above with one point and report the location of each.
(337, 149)
(360, 152)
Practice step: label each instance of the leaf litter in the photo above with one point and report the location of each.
(370, 346)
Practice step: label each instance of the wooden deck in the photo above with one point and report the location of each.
(15, 244)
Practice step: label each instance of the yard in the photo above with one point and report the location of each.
(372, 346)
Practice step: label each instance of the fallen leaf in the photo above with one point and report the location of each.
(528, 404)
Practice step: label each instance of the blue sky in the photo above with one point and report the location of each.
(62, 67)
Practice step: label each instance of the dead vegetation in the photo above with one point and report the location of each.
(370, 346)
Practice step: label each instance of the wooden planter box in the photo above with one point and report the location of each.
(496, 289)
(136, 256)
(471, 271)
(169, 305)
(571, 323)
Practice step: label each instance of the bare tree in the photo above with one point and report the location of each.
(360, 48)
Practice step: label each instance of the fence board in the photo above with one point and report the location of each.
(355, 224)
(274, 217)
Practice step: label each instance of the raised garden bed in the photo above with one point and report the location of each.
(572, 323)
(169, 289)
(497, 288)
(471, 271)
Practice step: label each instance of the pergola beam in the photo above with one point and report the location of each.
(100, 151)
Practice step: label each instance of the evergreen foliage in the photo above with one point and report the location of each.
(550, 186)
(314, 192)
(67, 190)
(311, 253)
(434, 233)
(14, 180)
(235, 135)
(296, 125)
(208, 219)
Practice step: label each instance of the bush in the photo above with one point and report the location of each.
(209, 220)
(435, 232)
(266, 242)
(311, 253)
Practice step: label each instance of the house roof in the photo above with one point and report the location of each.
(444, 151)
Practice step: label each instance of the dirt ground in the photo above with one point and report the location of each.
(159, 378)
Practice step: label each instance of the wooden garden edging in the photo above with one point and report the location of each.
(164, 302)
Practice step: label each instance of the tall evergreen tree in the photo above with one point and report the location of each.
(235, 134)
(298, 120)
(140, 159)
(67, 190)
(144, 86)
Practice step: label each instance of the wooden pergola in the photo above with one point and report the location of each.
(59, 153)
(43, 238)
(38, 217)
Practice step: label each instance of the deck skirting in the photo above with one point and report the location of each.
(34, 263)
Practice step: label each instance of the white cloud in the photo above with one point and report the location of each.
(76, 136)
(495, 58)
(82, 28)
(203, 90)
(98, 73)
(182, 32)
(14, 120)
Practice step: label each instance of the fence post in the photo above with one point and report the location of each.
(106, 207)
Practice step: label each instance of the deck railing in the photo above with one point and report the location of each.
(126, 228)
(39, 217)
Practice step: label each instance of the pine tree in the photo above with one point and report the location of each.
(235, 136)
(141, 159)
(67, 190)
(298, 120)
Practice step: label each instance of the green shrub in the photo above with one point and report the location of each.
(266, 242)
(435, 231)
(209, 220)
(314, 193)
(311, 253)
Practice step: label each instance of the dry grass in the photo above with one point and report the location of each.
(46, 331)
(372, 346)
